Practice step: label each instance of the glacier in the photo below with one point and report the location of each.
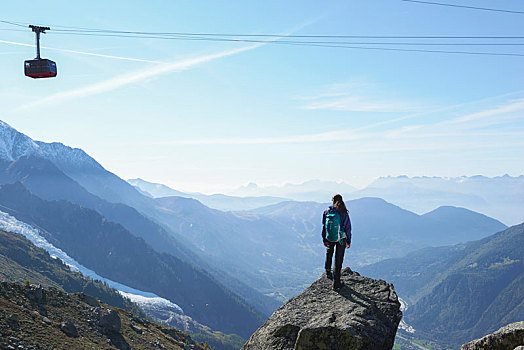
(11, 224)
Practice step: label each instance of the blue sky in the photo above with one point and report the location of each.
(211, 116)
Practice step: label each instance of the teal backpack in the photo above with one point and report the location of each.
(334, 230)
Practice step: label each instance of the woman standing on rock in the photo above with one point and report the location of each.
(336, 232)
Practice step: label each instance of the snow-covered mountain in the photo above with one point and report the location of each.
(66, 157)
(73, 162)
(14, 145)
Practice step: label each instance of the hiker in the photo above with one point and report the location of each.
(336, 232)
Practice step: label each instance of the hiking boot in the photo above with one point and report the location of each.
(337, 285)
(329, 274)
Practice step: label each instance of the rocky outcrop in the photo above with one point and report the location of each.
(363, 314)
(507, 337)
(72, 322)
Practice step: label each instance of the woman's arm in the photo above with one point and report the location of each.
(347, 229)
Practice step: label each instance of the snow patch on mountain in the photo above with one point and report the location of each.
(62, 155)
(148, 303)
(14, 144)
(10, 224)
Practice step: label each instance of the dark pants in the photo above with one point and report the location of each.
(339, 257)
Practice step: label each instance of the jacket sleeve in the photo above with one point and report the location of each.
(347, 228)
(324, 227)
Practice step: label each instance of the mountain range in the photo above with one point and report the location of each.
(382, 230)
(273, 250)
(215, 201)
(500, 197)
(313, 190)
(27, 161)
(459, 293)
(249, 261)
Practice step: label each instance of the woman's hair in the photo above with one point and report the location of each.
(339, 204)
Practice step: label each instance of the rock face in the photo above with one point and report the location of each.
(507, 337)
(363, 314)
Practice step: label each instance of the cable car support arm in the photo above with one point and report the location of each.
(38, 30)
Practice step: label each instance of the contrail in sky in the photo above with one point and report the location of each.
(129, 78)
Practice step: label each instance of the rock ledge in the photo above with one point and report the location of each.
(363, 314)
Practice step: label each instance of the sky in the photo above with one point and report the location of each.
(211, 116)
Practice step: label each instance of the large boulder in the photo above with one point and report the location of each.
(109, 320)
(363, 314)
(507, 337)
(69, 328)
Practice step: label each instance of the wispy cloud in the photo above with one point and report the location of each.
(82, 52)
(356, 97)
(358, 104)
(133, 77)
(513, 106)
(438, 110)
(440, 135)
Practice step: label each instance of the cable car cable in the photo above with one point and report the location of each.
(94, 31)
(333, 44)
(314, 44)
(464, 6)
(14, 23)
(301, 42)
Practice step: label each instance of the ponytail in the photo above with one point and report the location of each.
(339, 204)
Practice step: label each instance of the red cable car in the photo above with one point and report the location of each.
(39, 67)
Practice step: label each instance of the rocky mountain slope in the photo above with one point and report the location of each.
(36, 318)
(363, 314)
(459, 293)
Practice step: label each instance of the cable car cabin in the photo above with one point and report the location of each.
(40, 68)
